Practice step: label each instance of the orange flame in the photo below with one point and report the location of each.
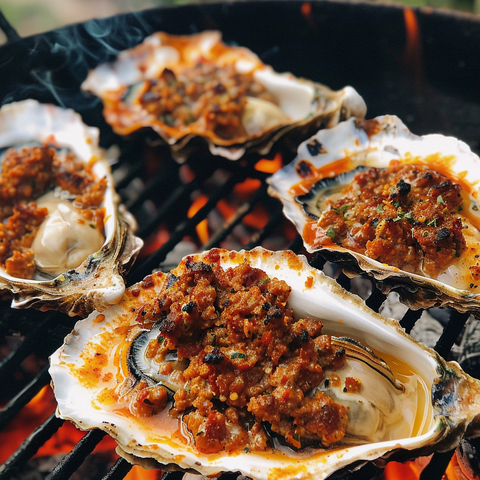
(154, 241)
(271, 166)
(457, 471)
(245, 189)
(33, 415)
(412, 54)
(202, 227)
(139, 473)
(405, 471)
(306, 10)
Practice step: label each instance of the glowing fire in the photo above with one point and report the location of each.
(412, 53)
(63, 440)
(155, 241)
(270, 166)
(405, 471)
(202, 227)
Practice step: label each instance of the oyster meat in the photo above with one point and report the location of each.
(188, 87)
(403, 208)
(66, 241)
(255, 362)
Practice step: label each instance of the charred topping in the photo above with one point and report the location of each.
(315, 147)
(405, 216)
(249, 363)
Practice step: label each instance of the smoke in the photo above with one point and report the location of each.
(50, 67)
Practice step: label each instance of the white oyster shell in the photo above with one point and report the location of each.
(98, 281)
(376, 143)
(89, 366)
(305, 106)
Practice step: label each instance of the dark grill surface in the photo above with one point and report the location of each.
(429, 79)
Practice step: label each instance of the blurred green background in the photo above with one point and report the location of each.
(34, 16)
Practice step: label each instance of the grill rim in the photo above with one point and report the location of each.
(376, 298)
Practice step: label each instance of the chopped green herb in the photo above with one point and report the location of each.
(400, 215)
(396, 204)
(432, 223)
(167, 119)
(425, 233)
(264, 280)
(295, 437)
(341, 210)
(330, 233)
(409, 216)
(460, 208)
(440, 200)
(235, 355)
(91, 225)
(380, 208)
(160, 339)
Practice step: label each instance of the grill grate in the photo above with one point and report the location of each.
(442, 97)
(177, 194)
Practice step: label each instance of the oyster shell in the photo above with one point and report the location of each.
(434, 402)
(78, 267)
(276, 104)
(319, 182)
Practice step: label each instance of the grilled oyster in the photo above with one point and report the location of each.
(66, 242)
(402, 208)
(174, 372)
(196, 87)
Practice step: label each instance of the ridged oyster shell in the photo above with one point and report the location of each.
(98, 281)
(327, 162)
(442, 406)
(304, 106)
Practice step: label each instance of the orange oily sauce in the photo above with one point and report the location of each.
(162, 429)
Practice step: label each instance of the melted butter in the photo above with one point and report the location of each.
(65, 239)
(423, 419)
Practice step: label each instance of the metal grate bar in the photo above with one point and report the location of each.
(162, 182)
(435, 470)
(168, 206)
(11, 362)
(119, 470)
(451, 332)
(376, 298)
(183, 228)
(275, 219)
(409, 319)
(30, 446)
(7, 29)
(70, 463)
(236, 219)
(20, 400)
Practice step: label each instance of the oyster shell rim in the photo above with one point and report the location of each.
(98, 82)
(452, 420)
(415, 290)
(71, 292)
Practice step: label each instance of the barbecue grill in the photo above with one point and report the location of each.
(419, 64)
